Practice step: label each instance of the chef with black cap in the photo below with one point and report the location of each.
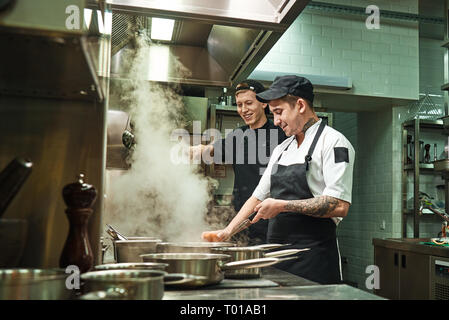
(248, 149)
(306, 189)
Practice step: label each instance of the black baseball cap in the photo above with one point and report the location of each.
(284, 85)
(250, 84)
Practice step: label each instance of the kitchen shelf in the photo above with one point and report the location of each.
(414, 127)
(423, 123)
(428, 167)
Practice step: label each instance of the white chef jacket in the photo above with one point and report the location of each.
(329, 173)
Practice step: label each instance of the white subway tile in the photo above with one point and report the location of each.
(371, 57)
(310, 50)
(301, 60)
(310, 70)
(331, 52)
(341, 43)
(321, 62)
(352, 55)
(352, 34)
(360, 45)
(321, 41)
(390, 59)
(311, 29)
(291, 48)
(399, 50)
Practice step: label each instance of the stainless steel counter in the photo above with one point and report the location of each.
(290, 287)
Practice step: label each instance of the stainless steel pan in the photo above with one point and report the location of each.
(255, 252)
(190, 247)
(207, 265)
(129, 284)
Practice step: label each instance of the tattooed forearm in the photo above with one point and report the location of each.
(316, 207)
(308, 124)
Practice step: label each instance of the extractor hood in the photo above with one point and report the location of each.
(219, 42)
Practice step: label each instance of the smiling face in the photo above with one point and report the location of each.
(289, 117)
(250, 109)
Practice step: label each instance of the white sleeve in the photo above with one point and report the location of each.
(262, 190)
(338, 164)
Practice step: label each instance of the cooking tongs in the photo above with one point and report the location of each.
(243, 225)
(114, 233)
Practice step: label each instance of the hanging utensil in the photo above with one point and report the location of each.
(115, 234)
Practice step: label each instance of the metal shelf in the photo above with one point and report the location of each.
(426, 167)
(423, 123)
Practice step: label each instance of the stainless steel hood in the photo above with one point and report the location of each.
(219, 42)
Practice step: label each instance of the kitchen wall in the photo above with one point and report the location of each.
(392, 62)
(380, 62)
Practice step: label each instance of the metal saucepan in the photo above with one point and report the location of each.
(130, 284)
(131, 249)
(207, 265)
(255, 252)
(34, 284)
(190, 247)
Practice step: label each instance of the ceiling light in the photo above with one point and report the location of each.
(162, 29)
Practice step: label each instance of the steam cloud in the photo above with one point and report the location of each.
(157, 197)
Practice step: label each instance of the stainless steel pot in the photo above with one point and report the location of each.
(129, 284)
(190, 247)
(34, 284)
(209, 266)
(131, 249)
(245, 253)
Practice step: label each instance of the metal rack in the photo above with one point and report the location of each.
(415, 126)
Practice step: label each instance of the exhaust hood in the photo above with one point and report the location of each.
(219, 42)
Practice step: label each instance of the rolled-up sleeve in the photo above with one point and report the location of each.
(338, 166)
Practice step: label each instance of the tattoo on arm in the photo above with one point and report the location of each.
(308, 124)
(315, 207)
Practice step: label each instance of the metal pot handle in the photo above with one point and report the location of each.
(181, 278)
(110, 294)
(270, 246)
(283, 253)
(253, 263)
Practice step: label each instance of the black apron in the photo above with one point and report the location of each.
(322, 262)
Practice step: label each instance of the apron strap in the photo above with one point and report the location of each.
(312, 146)
(314, 142)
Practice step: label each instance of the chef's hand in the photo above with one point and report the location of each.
(195, 152)
(215, 236)
(269, 208)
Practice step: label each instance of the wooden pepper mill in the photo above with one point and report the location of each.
(79, 198)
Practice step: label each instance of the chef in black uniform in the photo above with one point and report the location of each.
(248, 149)
(306, 189)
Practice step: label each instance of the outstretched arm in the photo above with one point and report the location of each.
(319, 207)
